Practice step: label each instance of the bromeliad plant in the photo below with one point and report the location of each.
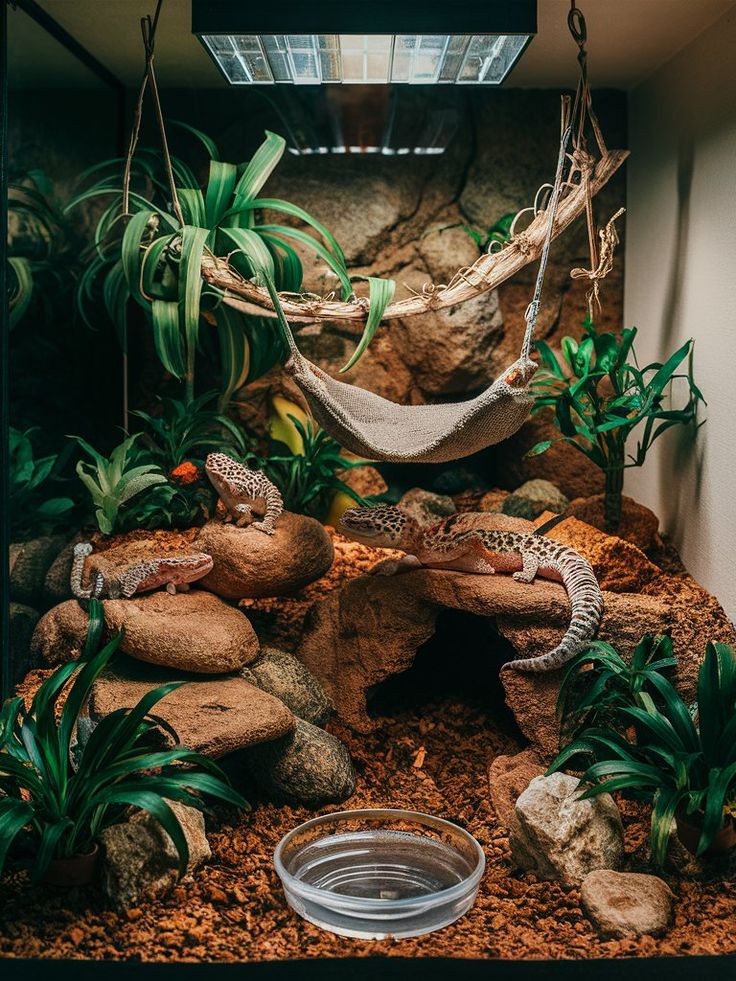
(151, 239)
(684, 766)
(32, 509)
(62, 805)
(599, 396)
(113, 482)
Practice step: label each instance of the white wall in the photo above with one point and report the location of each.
(681, 282)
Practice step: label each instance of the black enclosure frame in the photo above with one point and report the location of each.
(365, 16)
(722, 967)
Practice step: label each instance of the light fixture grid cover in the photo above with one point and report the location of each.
(419, 59)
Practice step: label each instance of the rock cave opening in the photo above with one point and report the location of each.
(462, 661)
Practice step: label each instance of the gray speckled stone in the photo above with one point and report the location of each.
(309, 766)
(285, 677)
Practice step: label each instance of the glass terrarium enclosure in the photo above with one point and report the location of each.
(365, 487)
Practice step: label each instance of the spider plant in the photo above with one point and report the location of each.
(189, 431)
(307, 474)
(600, 682)
(31, 510)
(151, 251)
(600, 397)
(684, 767)
(113, 482)
(62, 806)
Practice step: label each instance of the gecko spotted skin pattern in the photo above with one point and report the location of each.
(477, 550)
(240, 489)
(172, 571)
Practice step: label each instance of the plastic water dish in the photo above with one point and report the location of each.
(379, 873)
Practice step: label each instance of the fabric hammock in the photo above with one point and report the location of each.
(380, 430)
(376, 428)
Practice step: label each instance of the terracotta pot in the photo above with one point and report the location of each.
(688, 831)
(79, 870)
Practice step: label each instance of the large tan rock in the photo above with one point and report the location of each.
(639, 524)
(194, 631)
(559, 836)
(28, 564)
(214, 716)
(508, 778)
(249, 564)
(59, 634)
(618, 565)
(139, 859)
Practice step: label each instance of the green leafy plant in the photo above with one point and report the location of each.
(38, 244)
(307, 474)
(499, 232)
(600, 396)
(150, 249)
(31, 510)
(599, 683)
(188, 431)
(63, 805)
(113, 482)
(684, 766)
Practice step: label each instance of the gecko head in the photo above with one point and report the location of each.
(221, 470)
(383, 525)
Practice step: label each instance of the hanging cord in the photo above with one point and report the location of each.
(148, 32)
(533, 309)
(583, 111)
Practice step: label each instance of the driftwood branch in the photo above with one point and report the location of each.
(488, 272)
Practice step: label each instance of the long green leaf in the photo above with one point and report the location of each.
(381, 292)
(167, 337)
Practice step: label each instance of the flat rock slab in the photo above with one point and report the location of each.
(249, 564)
(215, 716)
(372, 628)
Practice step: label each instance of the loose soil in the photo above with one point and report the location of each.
(436, 735)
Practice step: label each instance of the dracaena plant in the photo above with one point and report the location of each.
(60, 800)
(152, 253)
(599, 395)
(600, 682)
(187, 431)
(683, 763)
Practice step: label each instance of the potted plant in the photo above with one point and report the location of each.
(681, 761)
(58, 802)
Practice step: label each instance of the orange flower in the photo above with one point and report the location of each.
(185, 473)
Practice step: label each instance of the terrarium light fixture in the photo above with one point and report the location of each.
(381, 42)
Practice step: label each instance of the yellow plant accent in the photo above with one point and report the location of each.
(281, 427)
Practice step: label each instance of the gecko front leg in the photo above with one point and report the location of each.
(393, 567)
(243, 512)
(274, 508)
(530, 568)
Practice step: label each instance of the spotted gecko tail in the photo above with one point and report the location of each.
(586, 601)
